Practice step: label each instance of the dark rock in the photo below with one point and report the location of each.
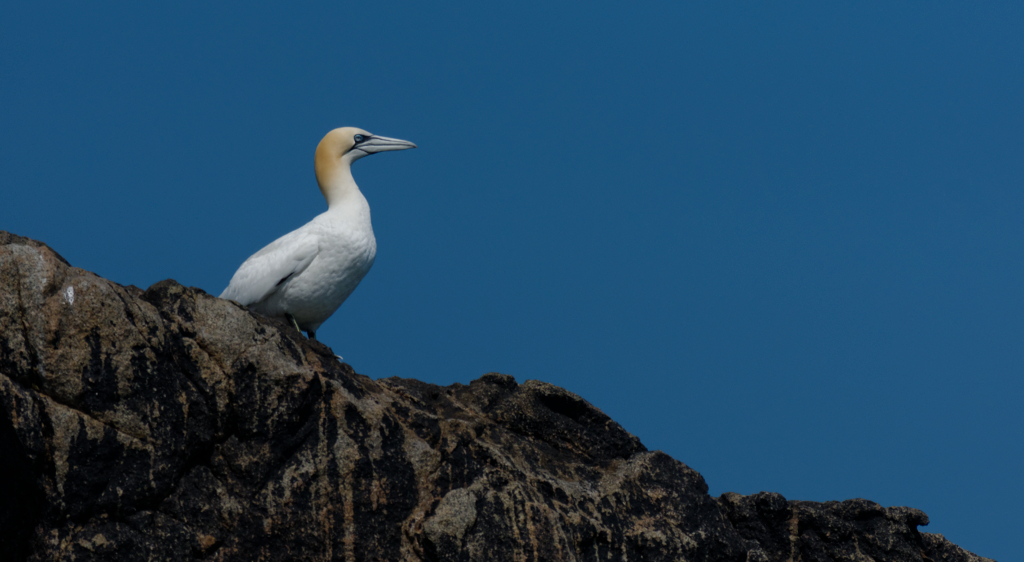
(167, 424)
(851, 530)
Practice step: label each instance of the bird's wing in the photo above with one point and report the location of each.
(265, 271)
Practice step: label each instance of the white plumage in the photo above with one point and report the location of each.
(305, 275)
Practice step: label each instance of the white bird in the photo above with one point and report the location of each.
(305, 275)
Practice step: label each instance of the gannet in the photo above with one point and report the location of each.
(305, 275)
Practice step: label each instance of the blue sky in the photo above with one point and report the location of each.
(781, 243)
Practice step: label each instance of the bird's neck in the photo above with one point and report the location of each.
(338, 186)
(344, 200)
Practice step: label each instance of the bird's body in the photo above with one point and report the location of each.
(308, 273)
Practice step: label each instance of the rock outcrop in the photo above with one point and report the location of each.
(167, 424)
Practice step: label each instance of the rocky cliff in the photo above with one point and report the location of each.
(167, 424)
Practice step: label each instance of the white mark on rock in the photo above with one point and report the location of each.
(69, 295)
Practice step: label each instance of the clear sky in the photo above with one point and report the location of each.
(781, 242)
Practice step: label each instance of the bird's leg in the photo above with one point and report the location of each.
(292, 320)
(311, 334)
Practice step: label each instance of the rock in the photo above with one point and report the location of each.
(167, 424)
(851, 530)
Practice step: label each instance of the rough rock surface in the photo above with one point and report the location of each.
(167, 424)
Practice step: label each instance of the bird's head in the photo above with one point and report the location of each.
(351, 144)
(342, 146)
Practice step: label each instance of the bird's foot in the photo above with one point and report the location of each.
(294, 323)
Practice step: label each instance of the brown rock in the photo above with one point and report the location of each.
(172, 425)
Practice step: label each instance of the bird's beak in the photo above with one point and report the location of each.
(383, 144)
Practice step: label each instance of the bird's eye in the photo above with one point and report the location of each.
(359, 138)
